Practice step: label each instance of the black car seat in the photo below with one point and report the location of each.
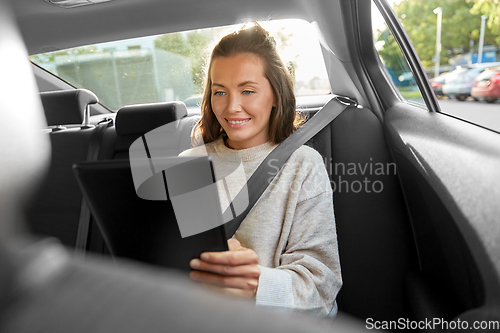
(57, 207)
(375, 239)
(133, 121)
(67, 106)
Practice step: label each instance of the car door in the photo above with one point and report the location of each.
(448, 169)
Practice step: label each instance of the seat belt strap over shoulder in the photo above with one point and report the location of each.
(260, 179)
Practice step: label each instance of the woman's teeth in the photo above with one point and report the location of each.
(237, 121)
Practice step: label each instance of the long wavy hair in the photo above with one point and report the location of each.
(284, 118)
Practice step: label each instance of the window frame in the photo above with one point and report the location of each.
(387, 94)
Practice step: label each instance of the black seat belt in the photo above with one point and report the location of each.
(85, 215)
(260, 179)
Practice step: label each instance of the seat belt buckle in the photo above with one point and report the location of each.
(348, 101)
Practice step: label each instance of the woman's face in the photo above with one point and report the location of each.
(242, 99)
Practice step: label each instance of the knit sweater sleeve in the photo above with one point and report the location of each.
(308, 276)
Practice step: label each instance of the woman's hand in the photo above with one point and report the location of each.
(234, 272)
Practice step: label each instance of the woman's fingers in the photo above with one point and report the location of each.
(234, 272)
(234, 245)
(237, 282)
(251, 271)
(240, 257)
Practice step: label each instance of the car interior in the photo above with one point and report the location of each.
(415, 191)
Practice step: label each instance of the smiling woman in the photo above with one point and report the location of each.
(285, 253)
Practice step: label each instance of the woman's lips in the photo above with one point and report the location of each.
(237, 122)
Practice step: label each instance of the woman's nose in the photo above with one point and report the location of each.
(234, 103)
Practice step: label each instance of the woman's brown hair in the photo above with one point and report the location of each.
(284, 118)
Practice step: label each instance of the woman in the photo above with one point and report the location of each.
(284, 253)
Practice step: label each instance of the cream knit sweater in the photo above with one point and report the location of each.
(291, 227)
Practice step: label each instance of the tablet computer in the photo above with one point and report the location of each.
(148, 230)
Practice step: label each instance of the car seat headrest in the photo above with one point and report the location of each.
(66, 106)
(25, 150)
(142, 118)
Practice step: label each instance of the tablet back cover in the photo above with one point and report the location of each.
(147, 230)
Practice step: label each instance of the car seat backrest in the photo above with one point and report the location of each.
(67, 106)
(142, 118)
(134, 121)
(375, 241)
(56, 206)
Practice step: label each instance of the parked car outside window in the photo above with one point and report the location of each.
(487, 86)
(459, 85)
(437, 83)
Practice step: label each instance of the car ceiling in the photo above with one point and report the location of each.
(46, 27)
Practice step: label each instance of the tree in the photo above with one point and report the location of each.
(283, 44)
(491, 8)
(390, 51)
(460, 25)
(192, 45)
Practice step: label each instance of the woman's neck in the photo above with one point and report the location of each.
(236, 145)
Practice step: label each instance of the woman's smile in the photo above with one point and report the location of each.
(237, 122)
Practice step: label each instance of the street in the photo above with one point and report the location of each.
(481, 113)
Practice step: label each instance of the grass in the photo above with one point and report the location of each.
(411, 94)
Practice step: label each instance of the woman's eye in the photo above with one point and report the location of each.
(218, 93)
(247, 92)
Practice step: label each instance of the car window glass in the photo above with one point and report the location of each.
(456, 41)
(171, 67)
(393, 59)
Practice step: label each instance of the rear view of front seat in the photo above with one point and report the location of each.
(133, 121)
(67, 106)
(55, 209)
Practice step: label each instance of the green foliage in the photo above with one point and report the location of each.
(460, 25)
(192, 45)
(283, 44)
(195, 46)
(491, 8)
(390, 52)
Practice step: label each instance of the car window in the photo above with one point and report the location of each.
(393, 59)
(456, 37)
(170, 67)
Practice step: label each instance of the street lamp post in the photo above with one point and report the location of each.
(439, 12)
(481, 40)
